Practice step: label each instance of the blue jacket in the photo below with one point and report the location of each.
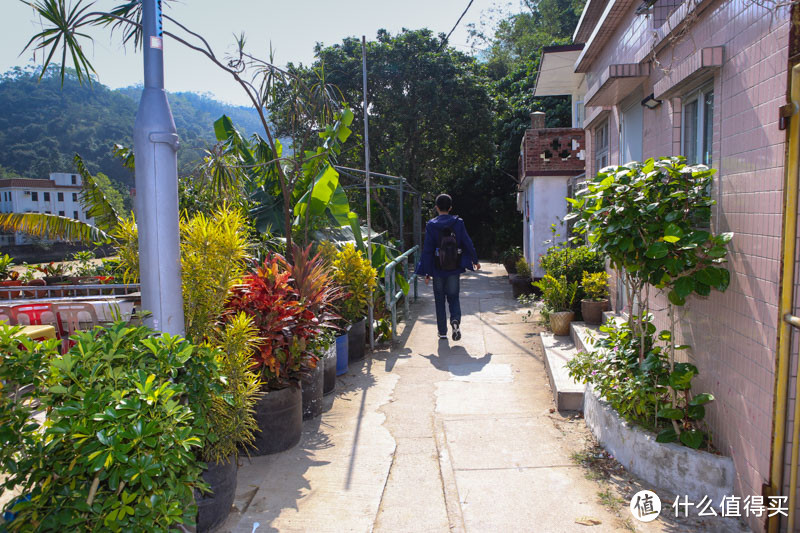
(427, 265)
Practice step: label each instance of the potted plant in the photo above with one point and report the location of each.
(125, 415)
(230, 419)
(521, 281)
(353, 272)
(318, 294)
(8, 277)
(509, 259)
(595, 287)
(558, 295)
(285, 327)
(29, 279)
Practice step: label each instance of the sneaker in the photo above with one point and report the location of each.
(456, 330)
(442, 335)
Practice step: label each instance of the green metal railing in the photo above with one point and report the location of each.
(393, 295)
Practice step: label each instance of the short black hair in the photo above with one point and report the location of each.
(444, 202)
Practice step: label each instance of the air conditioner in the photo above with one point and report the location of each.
(27, 193)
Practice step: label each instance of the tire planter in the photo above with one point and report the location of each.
(592, 311)
(342, 357)
(520, 285)
(355, 340)
(215, 506)
(559, 322)
(279, 415)
(329, 363)
(312, 392)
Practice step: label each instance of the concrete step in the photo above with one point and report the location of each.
(583, 335)
(567, 393)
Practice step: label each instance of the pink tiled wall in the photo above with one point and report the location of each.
(733, 335)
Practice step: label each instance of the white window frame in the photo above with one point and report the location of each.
(600, 150)
(703, 154)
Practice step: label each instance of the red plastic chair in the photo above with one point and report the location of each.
(74, 317)
(35, 315)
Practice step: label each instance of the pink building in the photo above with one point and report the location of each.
(708, 79)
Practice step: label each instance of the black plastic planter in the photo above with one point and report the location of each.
(312, 392)
(329, 362)
(279, 415)
(213, 507)
(355, 340)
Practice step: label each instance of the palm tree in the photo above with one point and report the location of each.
(107, 221)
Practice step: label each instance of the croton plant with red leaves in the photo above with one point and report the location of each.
(286, 318)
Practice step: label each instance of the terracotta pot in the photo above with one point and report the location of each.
(213, 507)
(559, 322)
(520, 285)
(36, 294)
(12, 294)
(592, 311)
(279, 415)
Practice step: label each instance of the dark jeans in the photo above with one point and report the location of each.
(446, 287)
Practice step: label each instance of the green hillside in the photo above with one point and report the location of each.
(42, 125)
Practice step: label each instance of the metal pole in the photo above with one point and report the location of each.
(366, 167)
(155, 145)
(400, 216)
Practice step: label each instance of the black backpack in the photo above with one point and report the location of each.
(448, 255)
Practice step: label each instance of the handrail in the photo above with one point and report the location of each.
(29, 292)
(390, 290)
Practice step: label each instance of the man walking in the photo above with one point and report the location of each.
(447, 253)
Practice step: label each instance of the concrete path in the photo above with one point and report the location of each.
(433, 436)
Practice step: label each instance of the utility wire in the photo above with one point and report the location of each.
(455, 26)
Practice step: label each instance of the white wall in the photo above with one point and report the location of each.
(546, 195)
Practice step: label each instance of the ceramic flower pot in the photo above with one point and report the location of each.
(279, 416)
(213, 507)
(592, 310)
(10, 295)
(559, 322)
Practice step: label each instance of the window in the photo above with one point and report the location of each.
(74, 179)
(61, 197)
(698, 127)
(75, 215)
(601, 146)
(61, 213)
(34, 196)
(48, 213)
(74, 197)
(47, 197)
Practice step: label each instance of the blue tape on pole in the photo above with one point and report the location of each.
(159, 25)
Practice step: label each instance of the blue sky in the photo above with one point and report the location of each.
(292, 27)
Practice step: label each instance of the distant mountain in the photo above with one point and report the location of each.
(42, 124)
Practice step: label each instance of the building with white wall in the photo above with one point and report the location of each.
(58, 195)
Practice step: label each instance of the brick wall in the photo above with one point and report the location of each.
(546, 151)
(733, 335)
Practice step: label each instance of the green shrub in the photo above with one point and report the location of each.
(558, 294)
(595, 286)
(613, 369)
(523, 268)
(511, 255)
(126, 413)
(353, 272)
(571, 262)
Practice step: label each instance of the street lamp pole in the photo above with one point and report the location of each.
(155, 145)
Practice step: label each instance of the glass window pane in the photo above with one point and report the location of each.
(690, 132)
(708, 127)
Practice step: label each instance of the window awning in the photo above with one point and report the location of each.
(617, 83)
(556, 76)
(691, 72)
